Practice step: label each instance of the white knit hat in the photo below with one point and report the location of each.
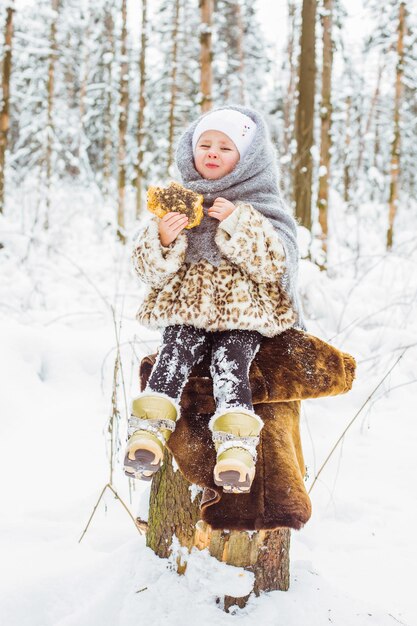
(238, 126)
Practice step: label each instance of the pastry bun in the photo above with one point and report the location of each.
(175, 197)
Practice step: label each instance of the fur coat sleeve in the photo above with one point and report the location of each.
(253, 245)
(154, 263)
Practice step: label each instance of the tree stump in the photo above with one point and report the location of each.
(288, 368)
(174, 509)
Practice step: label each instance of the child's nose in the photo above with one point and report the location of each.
(212, 153)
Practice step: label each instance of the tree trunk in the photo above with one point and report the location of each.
(326, 121)
(123, 104)
(395, 150)
(171, 511)
(237, 11)
(289, 96)
(305, 114)
(174, 511)
(107, 118)
(206, 83)
(4, 110)
(50, 124)
(173, 101)
(376, 158)
(142, 103)
(84, 76)
(346, 167)
(371, 115)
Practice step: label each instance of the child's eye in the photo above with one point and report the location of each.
(226, 149)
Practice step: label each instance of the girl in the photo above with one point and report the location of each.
(224, 285)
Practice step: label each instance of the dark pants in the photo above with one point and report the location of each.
(232, 352)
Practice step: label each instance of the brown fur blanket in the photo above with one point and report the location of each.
(288, 368)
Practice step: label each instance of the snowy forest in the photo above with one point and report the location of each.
(93, 100)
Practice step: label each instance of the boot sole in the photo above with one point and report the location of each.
(144, 464)
(233, 477)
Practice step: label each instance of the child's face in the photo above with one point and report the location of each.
(215, 155)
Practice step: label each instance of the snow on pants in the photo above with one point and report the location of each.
(232, 352)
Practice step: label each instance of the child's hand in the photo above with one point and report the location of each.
(221, 209)
(170, 227)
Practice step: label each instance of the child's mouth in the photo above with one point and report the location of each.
(211, 165)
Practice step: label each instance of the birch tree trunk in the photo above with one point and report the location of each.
(237, 11)
(289, 97)
(206, 83)
(83, 85)
(376, 149)
(305, 115)
(371, 116)
(173, 100)
(174, 511)
(142, 103)
(108, 125)
(123, 109)
(326, 121)
(4, 110)
(395, 149)
(50, 123)
(346, 168)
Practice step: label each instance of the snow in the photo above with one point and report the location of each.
(67, 300)
(194, 491)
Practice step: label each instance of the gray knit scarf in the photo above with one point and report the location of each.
(253, 180)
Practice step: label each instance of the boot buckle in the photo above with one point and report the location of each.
(229, 440)
(152, 425)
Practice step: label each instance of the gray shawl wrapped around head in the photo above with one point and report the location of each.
(253, 180)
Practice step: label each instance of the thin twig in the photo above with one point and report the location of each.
(362, 318)
(75, 313)
(109, 486)
(141, 342)
(92, 514)
(112, 427)
(351, 290)
(125, 507)
(384, 393)
(81, 270)
(117, 333)
(381, 354)
(397, 620)
(353, 420)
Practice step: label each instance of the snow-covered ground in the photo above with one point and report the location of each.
(67, 300)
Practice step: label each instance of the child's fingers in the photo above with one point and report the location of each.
(172, 214)
(179, 226)
(168, 217)
(173, 219)
(221, 202)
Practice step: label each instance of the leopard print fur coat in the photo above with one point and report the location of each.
(243, 292)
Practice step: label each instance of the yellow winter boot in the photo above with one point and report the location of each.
(235, 435)
(150, 426)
